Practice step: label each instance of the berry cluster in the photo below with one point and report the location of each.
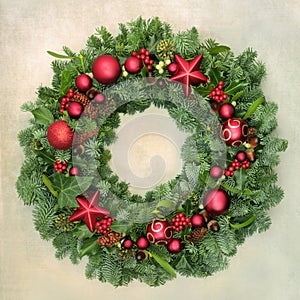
(181, 221)
(240, 161)
(103, 226)
(144, 55)
(218, 94)
(64, 101)
(60, 166)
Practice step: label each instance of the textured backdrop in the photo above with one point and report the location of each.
(267, 266)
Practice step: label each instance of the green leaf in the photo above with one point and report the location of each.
(214, 76)
(89, 247)
(235, 86)
(120, 227)
(48, 158)
(163, 263)
(69, 188)
(236, 191)
(56, 55)
(183, 264)
(66, 82)
(218, 49)
(43, 115)
(81, 231)
(237, 96)
(166, 203)
(248, 222)
(253, 107)
(48, 184)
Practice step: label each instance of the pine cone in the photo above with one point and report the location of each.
(62, 223)
(110, 239)
(106, 108)
(91, 111)
(197, 234)
(82, 137)
(251, 132)
(81, 98)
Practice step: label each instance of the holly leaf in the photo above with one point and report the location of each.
(214, 76)
(69, 188)
(66, 82)
(163, 263)
(43, 116)
(218, 49)
(89, 247)
(82, 232)
(120, 226)
(183, 264)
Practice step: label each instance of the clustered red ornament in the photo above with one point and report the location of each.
(103, 226)
(218, 94)
(180, 221)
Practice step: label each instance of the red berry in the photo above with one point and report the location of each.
(134, 53)
(142, 50)
(151, 61)
(147, 53)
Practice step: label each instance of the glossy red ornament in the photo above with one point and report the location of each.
(159, 232)
(83, 82)
(216, 201)
(99, 98)
(175, 246)
(188, 72)
(241, 156)
(88, 211)
(106, 69)
(142, 242)
(75, 109)
(127, 244)
(234, 131)
(74, 171)
(60, 135)
(173, 68)
(133, 65)
(226, 111)
(216, 172)
(197, 220)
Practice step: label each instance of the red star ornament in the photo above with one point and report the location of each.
(88, 211)
(189, 73)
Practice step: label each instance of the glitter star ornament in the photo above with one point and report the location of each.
(88, 211)
(188, 72)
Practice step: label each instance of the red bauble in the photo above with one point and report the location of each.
(133, 65)
(226, 111)
(234, 132)
(159, 232)
(197, 220)
(60, 135)
(99, 98)
(75, 110)
(142, 243)
(74, 171)
(174, 246)
(127, 244)
(173, 68)
(241, 156)
(216, 172)
(106, 69)
(83, 82)
(216, 201)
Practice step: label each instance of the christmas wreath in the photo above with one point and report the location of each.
(190, 225)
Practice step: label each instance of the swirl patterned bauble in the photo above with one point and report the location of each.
(159, 232)
(234, 132)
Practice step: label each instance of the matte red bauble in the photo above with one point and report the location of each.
(60, 135)
(83, 82)
(173, 68)
(216, 201)
(127, 244)
(106, 69)
(99, 98)
(197, 220)
(226, 111)
(142, 243)
(75, 110)
(159, 232)
(234, 132)
(241, 156)
(74, 171)
(133, 65)
(216, 172)
(174, 246)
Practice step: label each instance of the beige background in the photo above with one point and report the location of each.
(267, 266)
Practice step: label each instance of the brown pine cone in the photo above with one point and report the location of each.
(81, 98)
(197, 234)
(82, 137)
(91, 111)
(110, 239)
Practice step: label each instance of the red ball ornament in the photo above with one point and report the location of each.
(83, 82)
(173, 68)
(128, 244)
(197, 220)
(60, 135)
(133, 65)
(159, 232)
(216, 172)
(234, 132)
(216, 201)
(142, 243)
(175, 246)
(106, 69)
(226, 111)
(75, 110)
(99, 98)
(74, 171)
(241, 156)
